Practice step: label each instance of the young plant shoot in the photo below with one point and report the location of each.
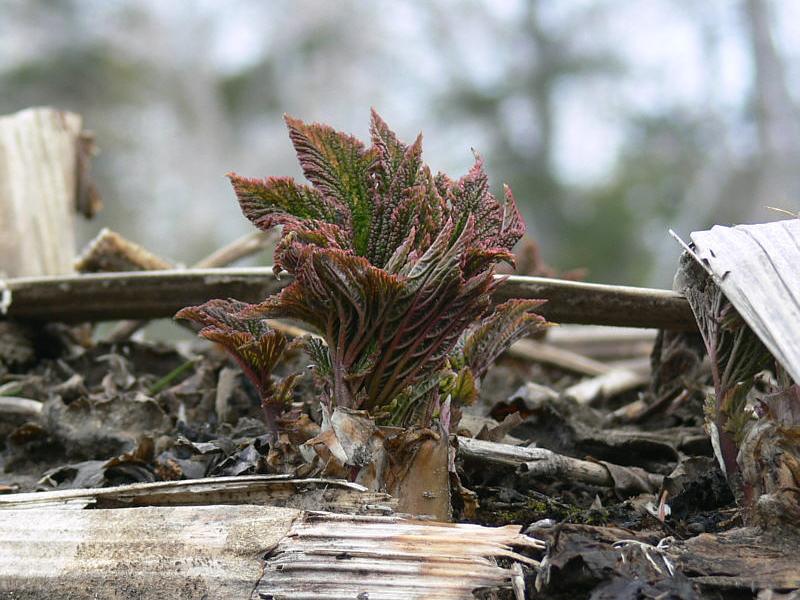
(391, 265)
(254, 346)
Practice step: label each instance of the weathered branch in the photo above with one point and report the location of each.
(598, 304)
(606, 385)
(239, 248)
(559, 357)
(535, 463)
(159, 294)
(110, 252)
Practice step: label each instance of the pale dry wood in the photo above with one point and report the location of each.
(40, 180)
(756, 267)
(545, 463)
(549, 354)
(159, 294)
(606, 386)
(268, 490)
(337, 556)
(602, 342)
(239, 248)
(540, 462)
(211, 552)
(246, 551)
(110, 252)
(637, 364)
(19, 408)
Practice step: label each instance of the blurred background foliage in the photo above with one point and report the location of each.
(612, 120)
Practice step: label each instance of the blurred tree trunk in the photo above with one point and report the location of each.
(778, 181)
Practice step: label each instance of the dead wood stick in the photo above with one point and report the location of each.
(109, 251)
(603, 343)
(565, 359)
(266, 490)
(239, 248)
(12, 407)
(544, 462)
(159, 294)
(599, 304)
(540, 462)
(43, 180)
(605, 386)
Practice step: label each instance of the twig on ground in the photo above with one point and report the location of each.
(552, 355)
(110, 252)
(159, 294)
(606, 386)
(542, 463)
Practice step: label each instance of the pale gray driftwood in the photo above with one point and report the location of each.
(757, 267)
(159, 294)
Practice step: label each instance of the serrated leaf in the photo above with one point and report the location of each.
(280, 200)
(254, 345)
(509, 322)
(339, 167)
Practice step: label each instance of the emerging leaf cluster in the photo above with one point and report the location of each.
(391, 265)
(254, 345)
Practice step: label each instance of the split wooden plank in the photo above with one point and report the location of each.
(249, 551)
(757, 267)
(272, 490)
(159, 294)
(43, 178)
(339, 556)
(148, 553)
